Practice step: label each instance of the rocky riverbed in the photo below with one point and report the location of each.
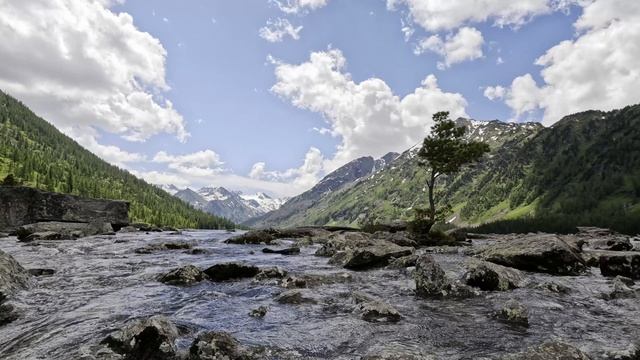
(96, 297)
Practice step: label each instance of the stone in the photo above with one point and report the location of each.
(432, 282)
(231, 271)
(295, 297)
(41, 272)
(399, 238)
(271, 273)
(287, 251)
(403, 262)
(492, 277)
(23, 205)
(186, 275)
(128, 229)
(50, 235)
(218, 345)
(622, 289)
(550, 351)
(145, 339)
(55, 230)
(376, 255)
(545, 253)
(625, 263)
(513, 313)
(616, 243)
(378, 311)
(259, 312)
(13, 276)
(163, 247)
(252, 237)
(8, 314)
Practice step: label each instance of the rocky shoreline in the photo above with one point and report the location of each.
(493, 264)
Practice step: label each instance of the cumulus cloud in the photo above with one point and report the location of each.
(303, 177)
(277, 30)
(83, 67)
(298, 6)
(201, 163)
(494, 92)
(367, 117)
(465, 45)
(597, 70)
(437, 15)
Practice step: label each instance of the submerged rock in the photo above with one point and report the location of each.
(185, 275)
(230, 271)
(378, 311)
(295, 297)
(620, 263)
(259, 312)
(8, 314)
(550, 351)
(41, 272)
(432, 282)
(545, 253)
(164, 247)
(145, 339)
(288, 251)
(492, 277)
(513, 312)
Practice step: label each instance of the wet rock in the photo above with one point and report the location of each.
(621, 263)
(432, 282)
(41, 272)
(378, 254)
(198, 251)
(622, 289)
(230, 271)
(185, 275)
(3, 235)
(128, 229)
(545, 253)
(271, 273)
(292, 282)
(163, 247)
(403, 262)
(145, 339)
(295, 297)
(49, 235)
(217, 345)
(8, 314)
(617, 243)
(23, 205)
(13, 276)
(550, 351)
(252, 237)
(630, 353)
(378, 311)
(288, 251)
(553, 287)
(492, 277)
(342, 241)
(458, 235)
(259, 312)
(514, 313)
(399, 238)
(62, 230)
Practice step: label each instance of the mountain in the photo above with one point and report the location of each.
(42, 157)
(231, 205)
(585, 169)
(294, 210)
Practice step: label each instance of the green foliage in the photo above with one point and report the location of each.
(419, 228)
(445, 152)
(37, 153)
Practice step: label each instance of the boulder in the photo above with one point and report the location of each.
(514, 313)
(185, 275)
(403, 262)
(13, 276)
(344, 240)
(546, 253)
(287, 251)
(399, 238)
(378, 311)
(218, 345)
(492, 277)
(432, 282)
(375, 255)
(295, 297)
(230, 271)
(55, 230)
(145, 339)
(23, 205)
(8, 313)
(625, 263)
(550, 351)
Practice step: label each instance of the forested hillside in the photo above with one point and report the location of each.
(40, 156)
(584, 170)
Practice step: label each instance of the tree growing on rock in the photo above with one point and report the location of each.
(444, 152)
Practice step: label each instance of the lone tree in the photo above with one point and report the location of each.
(444, 152)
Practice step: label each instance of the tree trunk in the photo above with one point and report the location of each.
(432, 205)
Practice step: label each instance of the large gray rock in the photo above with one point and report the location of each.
(296, 297)
(378, 311)
(550, 351)
(231, 271)
(546, 253)
(22, 205)
(623, 263)
(432, 282)
(217, 345)
(185, 275)
(145, 339)
(492, 277)
(375, 255)
(56, 230)
(514, 313)
(13, 276)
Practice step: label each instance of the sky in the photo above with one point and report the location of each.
(271, 95)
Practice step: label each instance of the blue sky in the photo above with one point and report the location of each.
(253, 108)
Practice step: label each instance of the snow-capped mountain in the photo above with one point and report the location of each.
(232, 205)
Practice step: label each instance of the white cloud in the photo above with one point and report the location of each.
(298, 6)
(465, 45)
(436, 15)
(598, 70)
(494, 92)
(277, 30)
(303, 177)
(83, 67)
(367, 117)
(201, 163)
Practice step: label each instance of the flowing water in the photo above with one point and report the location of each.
(101, 282)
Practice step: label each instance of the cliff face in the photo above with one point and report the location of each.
(22, 205)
